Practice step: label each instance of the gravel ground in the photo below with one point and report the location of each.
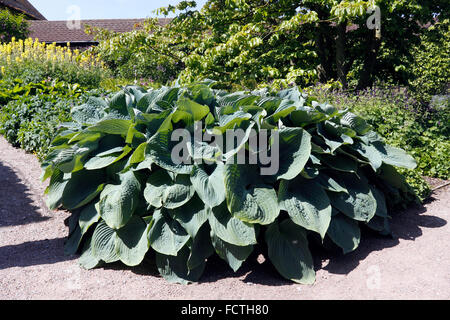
(414, 264)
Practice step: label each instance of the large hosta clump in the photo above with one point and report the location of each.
(113, 168)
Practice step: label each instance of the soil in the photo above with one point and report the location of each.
(413, 264)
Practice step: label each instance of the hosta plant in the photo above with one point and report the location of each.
(114, 169)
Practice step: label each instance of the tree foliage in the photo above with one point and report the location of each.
(253, 42)
(12, 25)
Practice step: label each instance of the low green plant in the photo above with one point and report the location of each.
(31, 117)
(33, 61)
(113, 168)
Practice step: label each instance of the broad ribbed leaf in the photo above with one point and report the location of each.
(82, 188)
(231, 229)
(88, 216)
(344, 232)
(209, 187)
(295, 149)
(395, 156)
(289, 252)
(191, 216)
(112, 126)
(307, 204)
(132, 242)
(56, 189)
(128, 244)
(174, 268)
(359, 203)
(201, 248)
(248, 198)
(159, 150)
(162, 191)
(118, 202)
(166, 235)
(234, 255)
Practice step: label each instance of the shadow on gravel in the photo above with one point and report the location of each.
(33, 253)
(16, 205)
(405, 225)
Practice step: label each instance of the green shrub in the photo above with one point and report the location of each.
(32, 61)
(113, 169)
(12, 25)
(34, 112)
(430, 72)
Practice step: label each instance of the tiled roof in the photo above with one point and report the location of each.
(63, 31)
(23, 6)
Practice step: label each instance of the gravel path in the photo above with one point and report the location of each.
(414, 264)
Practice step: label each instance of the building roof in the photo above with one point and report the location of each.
(63, 31)
(23, 6)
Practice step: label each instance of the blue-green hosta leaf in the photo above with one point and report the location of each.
(90, 112)
(159, 150)
(88, 216)
(166, 235)
(380, 224)
(333, 142)
(175, 270)
(132, 242)
(238, 142)
(359, 204)
(202, 94)
(344, 232)
(71, 159)
(55, 190)
(289, 252)
(104, 243)
(370, 153)
(339, 163)
(128, 244)
(119, 202)
(87, 259)
(209, 187)
(192, 216)
(73, 242)
(395, 156)
(355, 123)
(82, 188)
(120, 102)
(234, 255)
(201, 248)
(107, 158)
(307, 204)
(189, 111)
(162, 191)
(295, 149)
(112, 126)
(236, 99)
(231, 121)
(231, 229)
(330, 184)
(305, 116)
(248, 198)
(382, 210)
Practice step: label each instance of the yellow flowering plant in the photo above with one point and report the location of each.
(33, 61)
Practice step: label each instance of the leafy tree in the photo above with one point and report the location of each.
(253, 42)
(12, 25)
